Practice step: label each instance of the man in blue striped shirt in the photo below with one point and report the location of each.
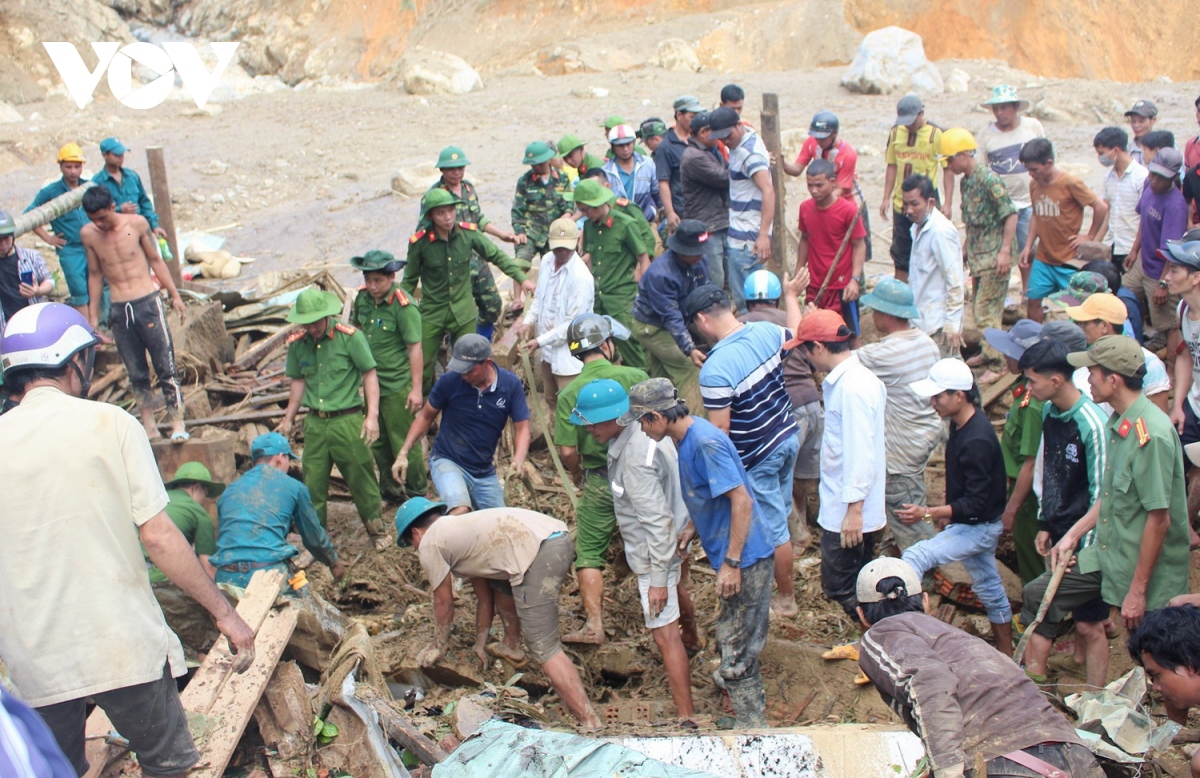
(742, 386)
(1074, 450)
(751, 199)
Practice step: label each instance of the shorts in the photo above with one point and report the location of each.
(840, 568)
(811, 421)
(73, 262)
(595, 522)
(1076, 592)
(770, 483)
(669, 614)
(1162, 317)
(1045, 280)
(460, 489)
(536, 597)
(148, 715)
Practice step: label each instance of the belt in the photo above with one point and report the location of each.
(245, 567)
(334, 414)
(600, 471)
(1028, 760)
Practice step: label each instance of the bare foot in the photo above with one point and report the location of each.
(977, 361)
(990, 377)
(784, 606)
(514, 656)
(585, 636)
(151, 429)
(381, 542)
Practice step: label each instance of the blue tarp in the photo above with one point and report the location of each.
(502, 750)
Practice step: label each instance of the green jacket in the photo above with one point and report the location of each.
(468, 209)
(536, 204)
(614, 245)
(390, 327)
(443, 268)
(332, 367)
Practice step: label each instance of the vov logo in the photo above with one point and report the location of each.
(171, 58)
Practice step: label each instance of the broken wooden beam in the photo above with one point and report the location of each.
(270, 413)
(262, 348)
(398, 728)
(997, 389)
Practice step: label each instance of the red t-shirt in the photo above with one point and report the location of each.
(842, 155)
(825, 230)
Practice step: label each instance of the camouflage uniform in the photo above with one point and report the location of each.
(483, 283)
(985, 206)
(534, 206)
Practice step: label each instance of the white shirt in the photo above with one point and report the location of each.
(562, 294)
(935, 273)
(853, 458)
(77, 615)
(1122, 194)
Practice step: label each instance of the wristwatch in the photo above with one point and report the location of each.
(1163, 283)
(733, 562)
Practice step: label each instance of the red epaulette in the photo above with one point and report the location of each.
(295, 336)
(345, 328)
(468, 225)
(398, 296)
(362, 288)
(417, 236)
(1142, 433)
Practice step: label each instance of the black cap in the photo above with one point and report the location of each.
(701, 121)
(689, 238)
(701, 299)
(722, 121)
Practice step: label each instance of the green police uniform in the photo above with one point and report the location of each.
(1021, 439)
(332, 369)
(595, 519)
(590, 162)
(535, 205)
(391, 326)
(483, 284)
(443, 269)
(631, 209)
(1143, 472)
(615, 245)
(186, 617)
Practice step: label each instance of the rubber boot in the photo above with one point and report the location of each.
(749, 701)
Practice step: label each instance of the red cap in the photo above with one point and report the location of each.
(820, 326)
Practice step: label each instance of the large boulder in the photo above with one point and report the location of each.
(677, 54)
(428, 72)
(892, 60)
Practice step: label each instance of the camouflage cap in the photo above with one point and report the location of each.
(656, 394)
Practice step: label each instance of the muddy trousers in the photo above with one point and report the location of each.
(139, 327)
(435, 323)
(665, 360)
(337, 440)
(742, 634)
(988, 293)
(620, 307)
(395, 419)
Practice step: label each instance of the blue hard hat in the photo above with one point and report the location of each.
(762, 285)
(601, 400)
(411, 512)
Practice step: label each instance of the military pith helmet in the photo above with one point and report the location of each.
(592, 193)
(436, 198)
(452, 156)
(377, 260)
(195, 473)
(7, 225)
(569, 143)
(313, 305)
(538, 152)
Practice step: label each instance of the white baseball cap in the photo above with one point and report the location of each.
(945, 375)
(881, 568)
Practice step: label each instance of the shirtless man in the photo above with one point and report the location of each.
(121, 250)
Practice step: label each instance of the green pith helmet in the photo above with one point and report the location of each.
(377, 260)
(569, 143)
(538, 152)
(436, 198)
(195, 473)
(7, 225)
(612, 121)
(592, 193)
(452, 156)
(313, 305)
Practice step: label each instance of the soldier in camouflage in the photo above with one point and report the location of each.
(543, 194)
(453, 163)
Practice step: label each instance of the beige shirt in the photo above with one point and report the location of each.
(77, 616)
(497, 543)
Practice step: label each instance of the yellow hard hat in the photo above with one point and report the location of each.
(70, 153)
(954, 141)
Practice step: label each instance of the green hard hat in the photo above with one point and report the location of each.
(612, 121)
(538, 152)
(7, 225)
(313, 305)
(569, 143)
(436, 198)
(591, 192)
(410, 512)
(377, 260)
(195, 473)
(452, 156)
(602, 400)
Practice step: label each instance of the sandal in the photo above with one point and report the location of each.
(180, 437)
(498, 649)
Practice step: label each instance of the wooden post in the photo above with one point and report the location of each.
(770, 136)
(162, 206)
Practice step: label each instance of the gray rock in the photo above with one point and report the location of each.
(429, 72)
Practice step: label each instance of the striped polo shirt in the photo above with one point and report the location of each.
(745, 198)
(744, 373)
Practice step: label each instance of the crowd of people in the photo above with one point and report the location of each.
(682, 377)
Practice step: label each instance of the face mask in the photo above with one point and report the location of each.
(1107, 161)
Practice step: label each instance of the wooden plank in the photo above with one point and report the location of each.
(399, 729)
(262, 348)
(205, 686)
(771, 137)
(110, 378)
(235, 703)
(997, 389)
(162, 206)
(271, 413)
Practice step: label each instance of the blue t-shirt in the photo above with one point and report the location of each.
(473, 420)
(709, 468)
(744, 373)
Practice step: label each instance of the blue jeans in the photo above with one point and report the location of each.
(458, 488)
(975, 546)
(771, 488)
(739, 263)
(714, 252)
(1023, 217)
